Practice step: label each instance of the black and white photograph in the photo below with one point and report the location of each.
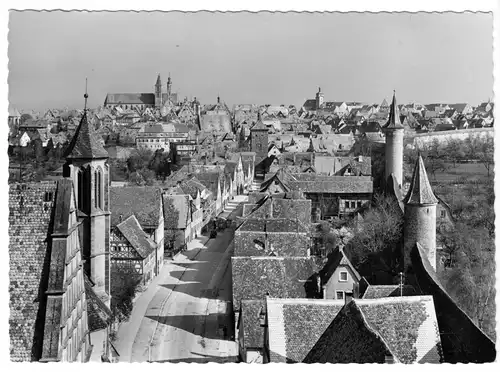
(249, 187)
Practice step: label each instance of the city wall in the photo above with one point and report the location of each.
(423, 139)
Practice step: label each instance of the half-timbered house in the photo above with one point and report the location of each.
(132, 250)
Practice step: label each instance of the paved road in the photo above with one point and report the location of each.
(180, 317)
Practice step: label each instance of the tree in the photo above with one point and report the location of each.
(471, 280)
(456, 151)
(376, 242)
(485, 154)
(123, 290)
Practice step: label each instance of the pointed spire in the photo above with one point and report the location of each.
(394, 121)
(85, 144)
(158, 80)
(420, 191)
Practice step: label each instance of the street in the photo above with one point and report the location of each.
(183, 316)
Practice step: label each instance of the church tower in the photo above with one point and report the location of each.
(320, 98)
(394, 132)
(169, 87)
(158, 95)
(420, 216)
(87, 167)
(259, 137)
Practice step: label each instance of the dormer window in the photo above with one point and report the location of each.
(343, 276)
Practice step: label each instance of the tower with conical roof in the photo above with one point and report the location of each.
(394, 132)
(420, 216)
(86, 165)
(158, 95)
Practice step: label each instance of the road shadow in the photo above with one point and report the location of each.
(203, 359)
(178, 274)
(191, 288)
(199, 325)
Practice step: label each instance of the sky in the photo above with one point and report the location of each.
(275, 58)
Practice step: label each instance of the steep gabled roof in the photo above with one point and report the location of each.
(420, 191)
(366, 331)
(86, 143)
(132, 231)
(295, 325)
(336, 259)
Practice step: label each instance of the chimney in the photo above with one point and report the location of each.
(121, 217)
(348, 296)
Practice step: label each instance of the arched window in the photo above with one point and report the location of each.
(79, 176)
(98, 188)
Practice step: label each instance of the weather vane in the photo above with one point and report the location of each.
(85, 96)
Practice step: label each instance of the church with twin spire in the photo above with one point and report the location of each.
(155, 100)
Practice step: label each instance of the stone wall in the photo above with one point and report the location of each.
(423, 139)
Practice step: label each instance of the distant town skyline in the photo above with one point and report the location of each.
(252, 58)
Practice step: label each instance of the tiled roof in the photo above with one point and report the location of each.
(420, 191)
(408, 325)
(29, 221)
(181, 204)
(273, 225)
(192, 187)
(281, 277)
(137, 238)
(253, 332)
(295, 325)
(85, 143)
(142, 201)
(99, 315)
(381, 291)
(368, 330)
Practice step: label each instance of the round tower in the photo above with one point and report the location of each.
(320, 98)
(394, 133)
(420, 216)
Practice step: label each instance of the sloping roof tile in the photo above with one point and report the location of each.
(381, 291)
(29, 223)
(281, 277)
(137, 238)
(420, 191)
(86, 143)
(142, 201)
(295, 325)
